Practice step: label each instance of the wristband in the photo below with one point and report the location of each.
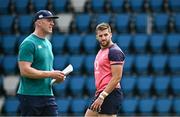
(101, 96)
(105, 93)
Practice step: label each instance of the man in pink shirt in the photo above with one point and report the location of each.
(108, 68)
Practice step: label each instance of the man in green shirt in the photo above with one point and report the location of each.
(35, 60)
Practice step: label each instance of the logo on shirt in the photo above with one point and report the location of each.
(39, 46)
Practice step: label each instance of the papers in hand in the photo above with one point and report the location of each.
(66, 71)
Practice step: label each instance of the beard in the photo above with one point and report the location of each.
(104, 44)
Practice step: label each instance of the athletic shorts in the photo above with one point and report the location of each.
(112, 102)
(37, 105)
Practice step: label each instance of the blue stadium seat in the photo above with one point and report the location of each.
(174, 63)
(176, 106)
(128, 84)
(141, 21)
(9, 44)
(136, 5)
(39, 4)
(177, 22)
(4, 6)
(129, 106)
(144, 85)
(9, 64)
(161, 22)
(25, 23)
(21, 6)
(77, 63)
(97, 7)
(82, 22)
(157, 43)
(90, 44)
(58, 43)
(78, 106)
(174, 5)
(6, 24)
(173, 43)
(175, 85)
(102, 17)
(59, 5)
(73, 44)
(146, 106)
(156, 5)
(124, 41)
(142, 63)
(122, 22)
(161, 85)
(163, 106)
(63, 106)
(1, 85)
(60, 62)
(11, 106)
(129, 63)
(60, 89)
(89, 64)
(90, 86)
(140, 42)
(117, 5)
(159, 63)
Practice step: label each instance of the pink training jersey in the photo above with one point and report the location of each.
(102, 65)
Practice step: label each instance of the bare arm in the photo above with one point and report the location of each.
(30, 72)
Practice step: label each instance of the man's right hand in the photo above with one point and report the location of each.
(58, 75)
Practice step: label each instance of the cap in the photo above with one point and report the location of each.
(44, 14)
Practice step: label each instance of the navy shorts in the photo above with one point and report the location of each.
(112, 102)
(37, 105)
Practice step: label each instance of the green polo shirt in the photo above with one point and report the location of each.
(38, 51)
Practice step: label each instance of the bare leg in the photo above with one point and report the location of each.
(104, 115)
(90, 113)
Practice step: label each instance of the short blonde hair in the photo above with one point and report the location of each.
(103, 26)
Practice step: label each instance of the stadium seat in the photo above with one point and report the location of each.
(140, 42)
(9, 64)
(58, 42)
(141, 21)
(76, 86)
(1, 87)
(97, 7)
(157, 43)
(175, 85)
(39, 4)
(161, 85)
(11, 106)
(174, 5)
(176, 106)
(129, 106)
(159, 63)
(74, 43)
(77, 63)
(124, 41)
(156, 5)
(9, 44)
(173, 43)
(6, 24)
(90, 44)
(63, 106)
(144, 85)
(21, 6)
(177, 22)
(60, 89)
(90, 86)
(89, 64)
(122, 22)
(60, 61)
(146, 106)
(78, 5)
(59, 5)
(142, 63)
(174, 63)
(117, 5)
(4, 7)
(128, 84)
(102, 17)
(78, 106)
(129, 63)
(136, 5)
(163, 106)
(161, 21)
(25, 24)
